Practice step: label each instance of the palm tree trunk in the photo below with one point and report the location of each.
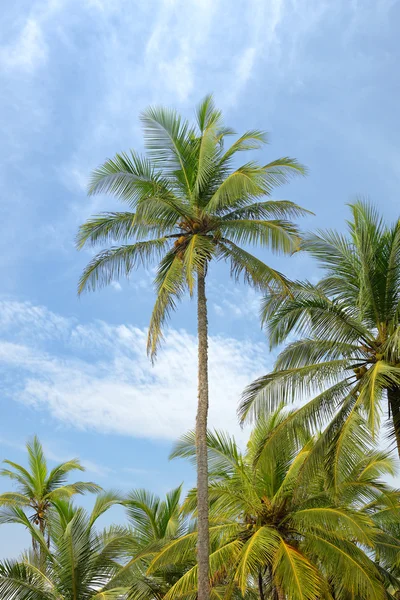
(394, 412)
(201, 440)
(42, 527)
(280, 594)
(261, 586)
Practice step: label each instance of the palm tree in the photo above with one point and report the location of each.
(81, 562)
(190, 204)
(154, 523)
(347, 354)
(279, 525)
(38, 489)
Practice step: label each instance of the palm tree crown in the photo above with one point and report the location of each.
(190, 203)
(278, 525)
(81, 564)
(155, 523)
(38, 488)
(348, 353)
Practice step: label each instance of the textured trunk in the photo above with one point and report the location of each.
(394, 411)
(261, 586)
(280, 594)
(42, 527)
(201, 441)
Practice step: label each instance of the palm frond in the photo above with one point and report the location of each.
(295, 575)
(170, 286)
(118, 261)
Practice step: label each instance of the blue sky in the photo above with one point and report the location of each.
(321, 77)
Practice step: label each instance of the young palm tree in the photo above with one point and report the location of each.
(348, 354)
(154, 523)
(280, 526)
(81, 563)
(38, 488)
(189, 204)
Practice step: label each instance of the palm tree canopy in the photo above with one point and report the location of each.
(37, 487)
(188, 202)
(154, 519)
(80, 564)
(154, 522)
(278, 523)
(346, 328)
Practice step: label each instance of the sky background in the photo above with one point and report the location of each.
(321, 77)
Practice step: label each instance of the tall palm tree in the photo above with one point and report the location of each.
(347, 354)
(279, 525)
(81, 562)
(190, 204)
(38, 488)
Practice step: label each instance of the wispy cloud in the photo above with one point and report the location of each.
(28, 51)
(167, 52)
(101, 379)
(234, 302)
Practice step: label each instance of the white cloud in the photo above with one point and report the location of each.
(178, 39)
(93, 467)
(101, 379)
(28, 51)
(245, 65)
(116, 286)
(235, 302)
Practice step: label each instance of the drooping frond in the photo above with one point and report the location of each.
(198, 252)
(254, 271)
(271, 209)
(59, 475)
(278, 235)
(295, 574)
(223, 453)
(250, 140)
(118, 261)
(170, 287)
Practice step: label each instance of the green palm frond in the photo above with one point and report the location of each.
(290, 385)
(223, 453)
(250, 140)
(59, 475)
(23, 582)
(19, 474)
(37, 463)
(13, 499)
(106, 228)
(258, 551)
(278, 235)
(118, 261)
(348, 567)
(271, 209)
(67, 491)
(197, 254)
(168, 140)
(295, 574)
(104, 502)
(254, 271)
(240, 187)
(170, 286)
